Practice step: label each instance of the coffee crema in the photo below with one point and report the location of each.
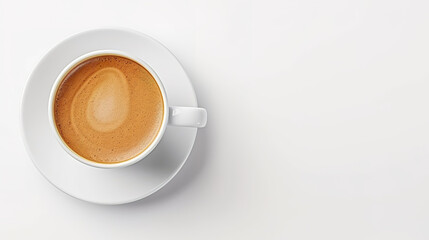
(108, 109)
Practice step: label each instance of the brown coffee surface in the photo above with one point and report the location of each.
(108, 109)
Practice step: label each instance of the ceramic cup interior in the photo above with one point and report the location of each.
(58, 82)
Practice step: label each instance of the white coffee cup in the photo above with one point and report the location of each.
(173, 115)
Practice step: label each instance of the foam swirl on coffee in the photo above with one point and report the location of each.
(108, 109)
(107, 106)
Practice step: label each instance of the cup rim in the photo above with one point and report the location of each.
(58, 82)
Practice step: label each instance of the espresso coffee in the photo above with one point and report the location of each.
(108, 109)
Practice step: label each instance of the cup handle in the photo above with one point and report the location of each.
(187, 117)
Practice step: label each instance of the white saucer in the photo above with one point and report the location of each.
(106, 186)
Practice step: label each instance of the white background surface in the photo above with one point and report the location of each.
(318, 121)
